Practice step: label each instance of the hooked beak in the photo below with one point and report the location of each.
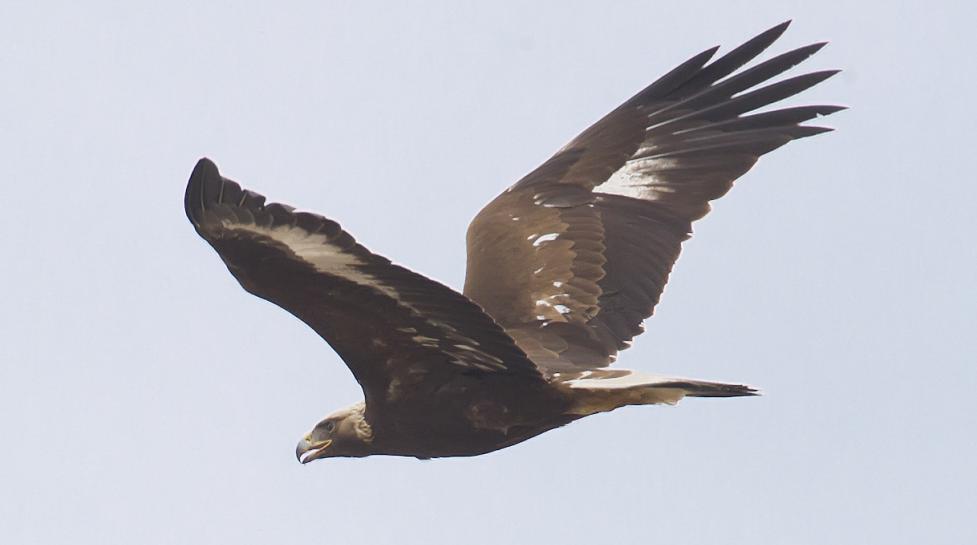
(314, 450)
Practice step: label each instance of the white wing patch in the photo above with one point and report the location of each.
(636, 178)
(316, 250)
(545, 238)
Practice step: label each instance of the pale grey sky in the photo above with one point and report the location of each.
(146, 398)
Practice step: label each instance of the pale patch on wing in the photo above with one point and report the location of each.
(636, 178)
(544, 238)
(316, 250)
(328, 258)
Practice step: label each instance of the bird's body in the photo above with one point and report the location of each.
(563, 268)
(471, 416)
(475, 415)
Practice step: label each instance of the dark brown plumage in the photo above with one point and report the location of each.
(563, 268)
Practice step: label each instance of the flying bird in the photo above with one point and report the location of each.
(563, 268)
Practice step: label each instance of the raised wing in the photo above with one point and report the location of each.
(574, 257)
(401, 334)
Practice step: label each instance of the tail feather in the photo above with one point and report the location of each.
(602, 390)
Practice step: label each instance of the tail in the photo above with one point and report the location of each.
(602, 390)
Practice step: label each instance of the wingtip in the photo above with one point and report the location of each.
(204, 170)
(805, 131)
(699, 60)
(822, 111)
(810, 79)
(827, 109)
(779, 28)
(770, 35)
(812, 48)
(708, 53)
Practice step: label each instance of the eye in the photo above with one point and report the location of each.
(329, 426)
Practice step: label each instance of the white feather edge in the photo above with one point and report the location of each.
(593, 380)
(316, 250)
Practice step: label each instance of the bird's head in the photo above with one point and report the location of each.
(345, 432)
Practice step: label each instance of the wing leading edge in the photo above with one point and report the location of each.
(401, 334)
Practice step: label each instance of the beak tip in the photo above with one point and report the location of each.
(307, 450)
(301, 449)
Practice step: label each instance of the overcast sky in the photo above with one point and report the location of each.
(146, 398)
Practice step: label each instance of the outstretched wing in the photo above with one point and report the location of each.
(574, 257)
(401, 334)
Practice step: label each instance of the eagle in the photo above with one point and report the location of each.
(563, 268)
